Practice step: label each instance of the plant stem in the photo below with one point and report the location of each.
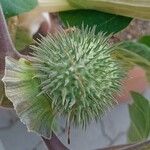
(54, 143)
(6, 46)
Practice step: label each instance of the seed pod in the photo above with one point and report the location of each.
(72, 75)
(76, 70)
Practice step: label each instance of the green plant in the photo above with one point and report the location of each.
(74, 72)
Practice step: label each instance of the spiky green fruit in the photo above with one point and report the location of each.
(73, 74)
(77, 72)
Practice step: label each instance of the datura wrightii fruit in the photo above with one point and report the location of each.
(131, 8)
(72, 75)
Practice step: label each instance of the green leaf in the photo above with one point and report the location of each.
(133, 53)
(16, 7)
(140, 118)
(23, 89)
(138, 48)
(145, 40)
(105, 22)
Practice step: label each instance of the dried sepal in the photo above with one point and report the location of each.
(22, 89)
